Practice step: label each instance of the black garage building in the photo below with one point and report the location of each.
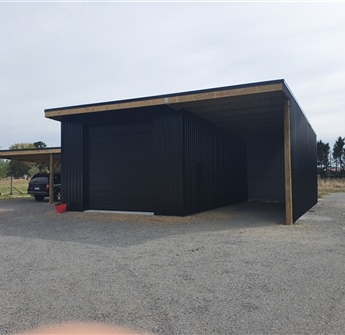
(183, 153)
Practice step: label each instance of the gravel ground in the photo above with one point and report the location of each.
(234, 270)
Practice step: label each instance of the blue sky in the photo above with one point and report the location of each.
(57, 54)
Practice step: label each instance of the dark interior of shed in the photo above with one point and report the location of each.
(258, 119)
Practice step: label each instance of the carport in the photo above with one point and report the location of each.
(48, 156)
(183, 153)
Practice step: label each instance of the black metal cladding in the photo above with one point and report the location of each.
(303, 162)
(198, 166)
(74, 151)
(120, 163)
(169, 199)
(214, 166)
(72, 165)
(265, 161)
(192, 166)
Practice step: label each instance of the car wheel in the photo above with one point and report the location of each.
(39, 197)
(57, 195)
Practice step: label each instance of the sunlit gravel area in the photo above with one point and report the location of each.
(234, 270)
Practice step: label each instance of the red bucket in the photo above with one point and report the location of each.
(61, 208)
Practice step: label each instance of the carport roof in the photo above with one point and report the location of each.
(248, 110)
(32, 155)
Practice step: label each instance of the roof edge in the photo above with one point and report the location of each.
(172, 98)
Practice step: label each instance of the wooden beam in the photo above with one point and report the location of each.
(31, 155)
(51, 179)
(170, 100)
(226, 93)
(287, 165)
(26, 152)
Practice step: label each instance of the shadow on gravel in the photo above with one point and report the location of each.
(27, 218)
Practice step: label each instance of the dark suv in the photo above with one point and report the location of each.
(39, 186)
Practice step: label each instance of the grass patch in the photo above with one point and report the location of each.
(328, 186)
(19, 189)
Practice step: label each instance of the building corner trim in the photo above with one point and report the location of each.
(287, 164)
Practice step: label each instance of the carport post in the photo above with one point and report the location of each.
(51, 178)
(287, 164)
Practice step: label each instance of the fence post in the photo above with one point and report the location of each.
(11, 192)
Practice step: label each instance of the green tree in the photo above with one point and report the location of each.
(32, 171)
(4, 168)
(18, 168)
(323, 151)
(339, 155)
(38, 167)
(39, 145)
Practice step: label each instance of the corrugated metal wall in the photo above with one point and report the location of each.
(214, 166)
(74, 148)
(198, 167)
(303, 161)
(120, 163)
(168, 157)
(169, 199)
(266, 169)
(72, 165)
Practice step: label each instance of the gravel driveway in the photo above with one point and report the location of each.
(228, 271)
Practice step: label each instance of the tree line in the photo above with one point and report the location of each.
(331, 163)
(19, 169)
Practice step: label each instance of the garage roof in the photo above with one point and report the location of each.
(33, 155)
(243, 110)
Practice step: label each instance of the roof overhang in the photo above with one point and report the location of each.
(242, 110)
(41, 156)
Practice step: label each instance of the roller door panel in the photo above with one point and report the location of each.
(120, 162)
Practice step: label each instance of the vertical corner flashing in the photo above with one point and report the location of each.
(287, 164)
